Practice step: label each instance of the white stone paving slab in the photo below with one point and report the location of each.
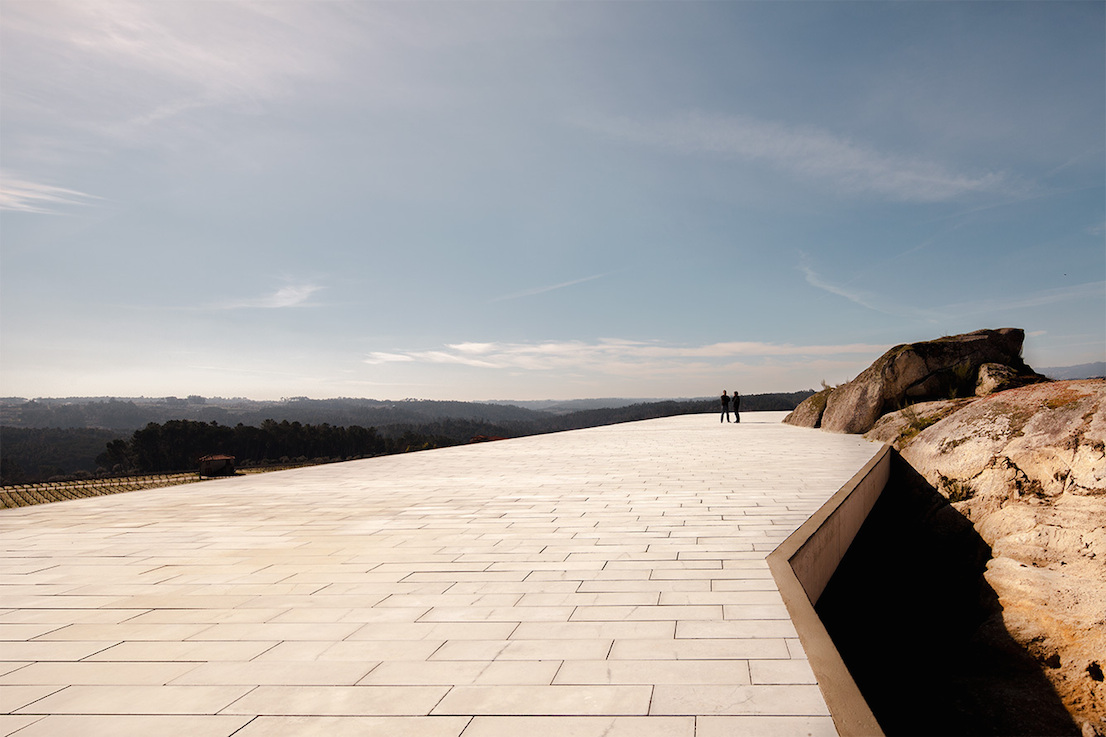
(596, 582)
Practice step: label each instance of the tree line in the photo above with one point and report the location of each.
(40, 454)
(178, 445)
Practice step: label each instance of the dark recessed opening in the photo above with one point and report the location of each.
(920, 630)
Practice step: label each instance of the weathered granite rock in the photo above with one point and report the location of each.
(809, 412)
(917, 372)
(1028, 467)
(994, 377)
(899, 428)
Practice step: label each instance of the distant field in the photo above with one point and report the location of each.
(25, 495)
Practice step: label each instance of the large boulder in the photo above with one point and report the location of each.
(916, 372)
(1027, 466)
(809, 412)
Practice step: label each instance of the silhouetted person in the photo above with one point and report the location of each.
(736, 406)
(725, 407)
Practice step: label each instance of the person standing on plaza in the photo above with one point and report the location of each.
(736, 406)
(725, 407)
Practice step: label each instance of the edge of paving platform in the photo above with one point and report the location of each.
(802, 566)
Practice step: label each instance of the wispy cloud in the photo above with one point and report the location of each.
(808, 153)
(294, 295)
(125, 70)
(616, 357)
(23, 196)
(853, 295)
(551, 288)
(1088, 290)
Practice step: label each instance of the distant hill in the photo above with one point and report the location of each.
(564, 406)
(42, 438)
(1082, 371)
(133, 413)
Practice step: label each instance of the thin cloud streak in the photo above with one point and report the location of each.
(816, 281)
(133, 72)
(1088, 290)
(807, 153)
(616, 357)
(291, 296)
(543, 290)
(22, 196)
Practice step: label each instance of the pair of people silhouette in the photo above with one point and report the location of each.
(726, 407)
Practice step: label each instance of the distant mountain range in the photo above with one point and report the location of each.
(500, 417)
(1082, 371)
(46, 438)
(564, 406)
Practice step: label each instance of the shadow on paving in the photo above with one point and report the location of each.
(921, 630)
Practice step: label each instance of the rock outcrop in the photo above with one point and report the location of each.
(918, 372)
(1024, 460)
(1028, 468)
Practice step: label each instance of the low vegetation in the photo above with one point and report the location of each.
(95, 458)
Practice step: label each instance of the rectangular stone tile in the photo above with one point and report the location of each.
(593, 630)
(138, 700)
(762, 611)
(97, 673)
(355, 727)
(644, 585)
(736, 629)
(8, 666)
(721, 672)
(205, 616)
(701, 598)
(738, 700)
(459, 672)
(124, 631)
(269, 631)
(68, 616)
(372, 591)
(659, 565)
(523, 650)
(644, 613)
(195, 651)
(276, 673)
(182, 601)
(10, 724)
(449, 600)
(698, 649)
(544, 726)
(781, 672)
(481, 576)
(13, 698)
(381, 650)
(761, 726)
(546, 700)
(435, 631)
(513, 587)
(499, 614)
(614, 598)
(579, 576)
(17, 632)
(42, 650)
(135, 726)
(339, 701)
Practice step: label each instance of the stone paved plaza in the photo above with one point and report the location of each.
(608, 581)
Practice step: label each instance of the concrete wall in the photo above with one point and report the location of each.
(803, 565)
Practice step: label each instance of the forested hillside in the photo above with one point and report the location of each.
(133, 414)
(330, 430)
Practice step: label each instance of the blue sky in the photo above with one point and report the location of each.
(529, 200)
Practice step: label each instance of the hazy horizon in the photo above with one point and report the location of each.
(546, 201)
(1088, 370)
